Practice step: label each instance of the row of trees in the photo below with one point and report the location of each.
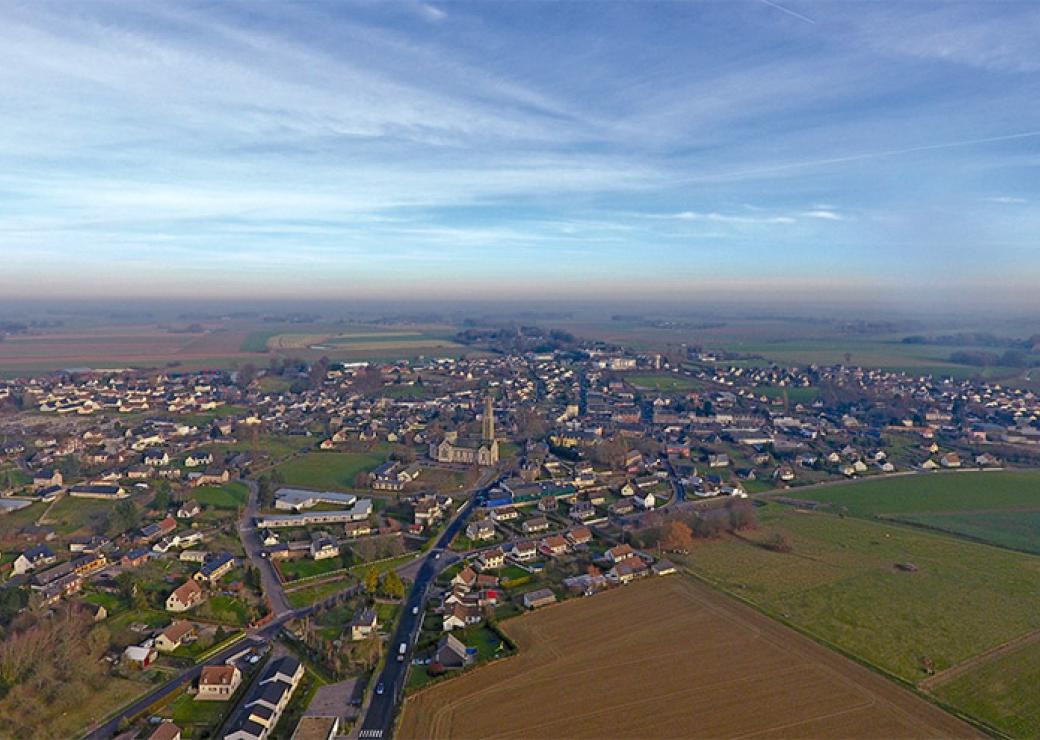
(678, 531)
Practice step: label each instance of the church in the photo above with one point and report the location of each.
(483, 451)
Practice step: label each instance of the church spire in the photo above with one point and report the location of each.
(488, 422)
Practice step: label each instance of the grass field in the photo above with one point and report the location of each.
(70, 514)
(593, 668)
(998, 507)
(841, 583)
(934, 493)
(664, 383)
(198, 718)
(328, 470)
(229, 496)
(293, 570)
(1002, 691)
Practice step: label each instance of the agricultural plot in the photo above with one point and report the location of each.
(894, 597)
(593, 668)
(999, 507)
(328, 470)
(1001, 691)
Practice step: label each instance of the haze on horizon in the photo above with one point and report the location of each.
(848, 152)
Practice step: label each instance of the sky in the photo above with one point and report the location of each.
(520, 149)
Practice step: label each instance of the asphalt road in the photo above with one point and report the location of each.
(250, 537)
(379, 718)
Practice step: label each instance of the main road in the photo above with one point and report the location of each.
(379, 718)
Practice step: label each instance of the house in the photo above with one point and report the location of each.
(536, 524)
(91, 563)
(580, 536)
(554, 545)
(215, 568)
(189, 510)
(363, 624)
(198, 459)
(950, 460)
(266, 700)
(452, 653)
(627, 570)
(460, 616)
(46, 479)
(174, 636)
(156, 530)
(136, 557)
(929, 465)
(184, 597)
(428, 510)
(986, 460)
(620, 552)
(156, 458)
(218, 682)
(466, 577)
(357, 529)
(323, 548)
(166, 731)
(582, 510)
(505, 514)
(140, 656)
(523, 551)
(539, 598)
(718, 461)
(34, 557)
(491, 559)
(622, 507)
(482, 530)
(645, 500)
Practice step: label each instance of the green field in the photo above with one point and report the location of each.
(328, 470)
(229, 496)
(998, 507)
(664, 383)
(1015, 530)
(1001, 691)
(840, 583)
(794, 395)
(934, 493)
(69, 514)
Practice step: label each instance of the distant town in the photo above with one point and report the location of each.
(291, 550)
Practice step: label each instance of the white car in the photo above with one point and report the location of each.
(415, 609)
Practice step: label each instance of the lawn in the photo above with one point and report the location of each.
(328, 470)
(840, 582)
(13, 521)
(1002, 691)
(294, 570)
(196, 718)
(12, 477)
(308, 595)
(664, 383)
(113, 694)
(69, 514)
(229, 496)
(794, 394)
(226, 609)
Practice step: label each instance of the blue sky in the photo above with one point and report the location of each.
(519, 148)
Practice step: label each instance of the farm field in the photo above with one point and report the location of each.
(328, 470)
(998, 507)
(724, 658)
(842, 582)
(1001, 691)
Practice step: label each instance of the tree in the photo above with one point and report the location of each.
(161, 502)
(265, 492)
(126, 516)
(246, 375)
(778, 542)
(677, 537)
(371, 581)
(393, 586)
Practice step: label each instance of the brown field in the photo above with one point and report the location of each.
(669, 657)
(117, 347)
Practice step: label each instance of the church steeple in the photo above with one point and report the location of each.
(488, 422)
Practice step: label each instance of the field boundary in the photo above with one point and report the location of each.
(975, 661)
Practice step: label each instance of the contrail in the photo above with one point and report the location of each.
(790, 12)
(880, 155)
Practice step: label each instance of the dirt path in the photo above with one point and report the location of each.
(976, 660)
